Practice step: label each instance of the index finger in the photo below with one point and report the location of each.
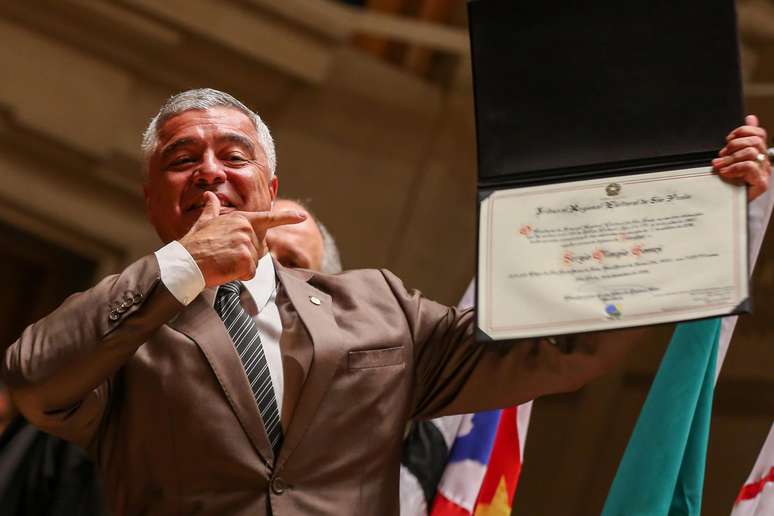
(263, 220)
(747, 130)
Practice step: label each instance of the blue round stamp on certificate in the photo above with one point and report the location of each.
(612, 311)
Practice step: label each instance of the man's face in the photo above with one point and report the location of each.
(215, 150)
(296, 245)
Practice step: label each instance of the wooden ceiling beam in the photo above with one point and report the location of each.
(115, 13)
(432, 35)
(759, 89)
(281, 47)
(419, 58)
(376, 44)
(341, 22)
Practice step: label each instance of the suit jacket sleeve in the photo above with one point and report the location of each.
(60, 370)
(454, 374)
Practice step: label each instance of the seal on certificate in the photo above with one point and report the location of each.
(613, 189)
(612, 311)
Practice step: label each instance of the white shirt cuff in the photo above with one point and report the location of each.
(179, 272)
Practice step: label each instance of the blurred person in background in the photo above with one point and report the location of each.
(306, 245)
(42, 475)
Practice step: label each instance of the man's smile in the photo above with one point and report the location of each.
(226, 205)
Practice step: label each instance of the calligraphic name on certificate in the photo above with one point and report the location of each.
(611, 253)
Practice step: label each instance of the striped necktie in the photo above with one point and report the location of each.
(247, 341)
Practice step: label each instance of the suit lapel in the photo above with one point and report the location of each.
(201, 323)
(315, 310)
(297, 351)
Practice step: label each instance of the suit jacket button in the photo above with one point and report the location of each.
(278, 485)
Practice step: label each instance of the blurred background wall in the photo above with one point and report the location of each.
(377, 135)
(371, 106)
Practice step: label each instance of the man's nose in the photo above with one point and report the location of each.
(210, 172)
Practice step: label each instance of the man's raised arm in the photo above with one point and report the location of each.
(59, 370)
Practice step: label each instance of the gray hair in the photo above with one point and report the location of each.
(331, 260)
(203, 99)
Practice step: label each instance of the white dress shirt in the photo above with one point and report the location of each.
(185, 281)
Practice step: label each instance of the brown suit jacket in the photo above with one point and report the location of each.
(157, 394)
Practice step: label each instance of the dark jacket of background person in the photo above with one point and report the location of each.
(43, 475)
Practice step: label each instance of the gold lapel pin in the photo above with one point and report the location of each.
(315, 301)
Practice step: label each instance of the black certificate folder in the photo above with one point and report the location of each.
(579, 91)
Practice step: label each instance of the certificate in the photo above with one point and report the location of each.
(611, 253)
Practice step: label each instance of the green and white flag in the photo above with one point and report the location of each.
(662, 470)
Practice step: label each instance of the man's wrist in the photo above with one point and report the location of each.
(179, 272)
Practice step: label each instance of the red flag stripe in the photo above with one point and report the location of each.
(505, 461)
(442, 506)
(753, 489)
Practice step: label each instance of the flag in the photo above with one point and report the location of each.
(423, 459)
(503, 470)
(756, 497)
(444, 461)
(485, 463)
(662, 470)
(466, 467)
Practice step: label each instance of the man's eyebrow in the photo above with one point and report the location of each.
(239, 139)
(172, 147)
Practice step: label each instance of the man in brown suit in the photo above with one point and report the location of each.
(142, 370)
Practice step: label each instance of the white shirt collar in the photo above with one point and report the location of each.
(262, 285)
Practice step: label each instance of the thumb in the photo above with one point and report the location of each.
(211, 207)
(751, 120)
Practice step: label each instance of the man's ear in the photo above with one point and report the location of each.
(274, 187)
(147, 199)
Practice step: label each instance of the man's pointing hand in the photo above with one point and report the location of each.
(263, 220)
(227, 247)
